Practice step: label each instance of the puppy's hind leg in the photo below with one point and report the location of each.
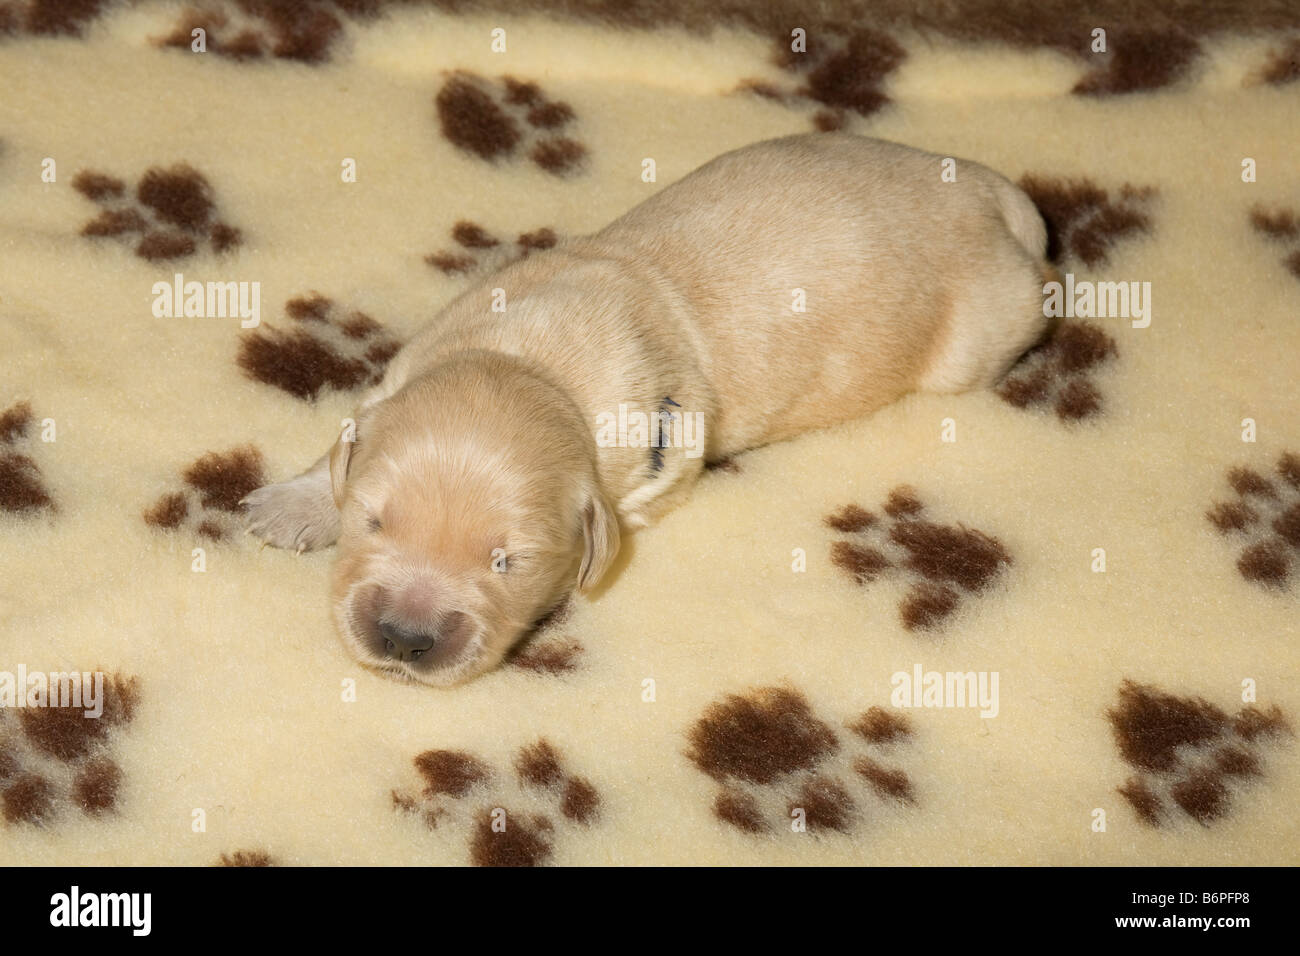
(298, 514)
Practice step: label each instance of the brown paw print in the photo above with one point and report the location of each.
(209, 503)
(1189, 755)
(502, 119)
(460, 790)
(1281, 226)
(21, 489)
(480, 251)
(778, 764)
(1137, 59)
(249, 30)
(49, 17)
(246, 858)
(1283, 65)
(327, 347)
(1266, 512)
(1055, 374)
(52, 756)
(172, 212)
(546, 650)
(944, 562)
(843, 70)
(1082, 221)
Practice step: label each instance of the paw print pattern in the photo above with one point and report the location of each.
(843, 72)
(246, 858)
(1138, 58)
(1281, 226)
(209, 504)
(22, 490)
(1266, 512)
(480, 251)
(1190, 756)
(546, 650)
(249, 30)
(778, 764)
(53, 757)
(463, 791)
(172, 212)
(327, 347)
(1056, 374)
(1283, 65)
(48, 17)
(499, 120)
(944, 562)
(1082, 221)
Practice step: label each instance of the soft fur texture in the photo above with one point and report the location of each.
(489, 468)
(707, 688)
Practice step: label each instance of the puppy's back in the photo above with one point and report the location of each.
(906, 280)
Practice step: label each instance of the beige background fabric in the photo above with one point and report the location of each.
(240, 680)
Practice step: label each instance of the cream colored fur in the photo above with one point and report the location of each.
(481, 441)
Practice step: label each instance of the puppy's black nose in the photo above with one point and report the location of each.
(402, 644)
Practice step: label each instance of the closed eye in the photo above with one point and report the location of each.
(373, 524)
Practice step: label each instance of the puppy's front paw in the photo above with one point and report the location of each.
(298, 515)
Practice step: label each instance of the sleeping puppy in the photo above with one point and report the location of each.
(783, 287)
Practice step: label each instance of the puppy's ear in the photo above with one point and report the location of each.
(600, 540)
(340, 457)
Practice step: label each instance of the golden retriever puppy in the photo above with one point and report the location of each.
(786, 286)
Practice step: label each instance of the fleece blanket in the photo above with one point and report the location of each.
(1051, 623)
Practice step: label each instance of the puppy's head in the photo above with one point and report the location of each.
(470, 506)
